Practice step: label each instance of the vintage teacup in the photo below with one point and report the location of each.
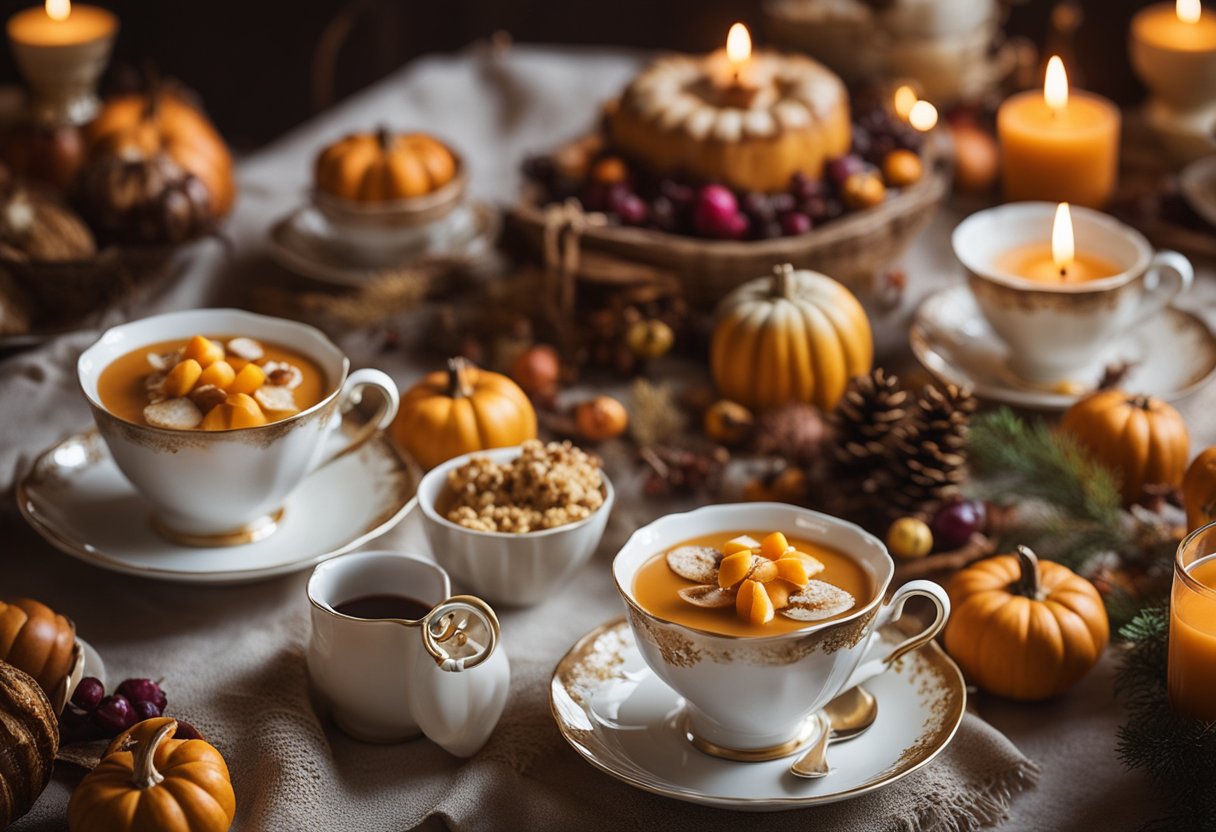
(211, 488)
(1056, 330)
(752, 697)
(386, 679)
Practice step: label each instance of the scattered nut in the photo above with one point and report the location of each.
(282, 374)
(164, 361)
(695, 563)
(207, 396)
(708, 596)
(276, 399)
(817, 601)
(173, 414)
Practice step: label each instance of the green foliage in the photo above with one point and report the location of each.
(1178, 754)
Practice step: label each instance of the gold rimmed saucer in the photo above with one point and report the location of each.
(626, 722)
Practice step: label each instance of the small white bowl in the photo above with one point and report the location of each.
(506, 568)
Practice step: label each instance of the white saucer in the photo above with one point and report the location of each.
(306, 243)
(1172, 354)
(625, 722)
(77, 499)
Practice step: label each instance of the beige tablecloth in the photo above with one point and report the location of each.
(232, 657)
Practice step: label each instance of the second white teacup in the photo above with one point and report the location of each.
(1057, 330)
(749, 698)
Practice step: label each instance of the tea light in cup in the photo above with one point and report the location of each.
(1192, 646)
(1059, 261)
(61, 50)
(1057, 146)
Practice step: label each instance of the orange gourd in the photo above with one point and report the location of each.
(1024, 628)
(383, 166)
(460, 410)
(36, 639)
(798, 336)
(1199, 490)
(29, 740)
(1142, 439)
(142, 126)
(149, 782)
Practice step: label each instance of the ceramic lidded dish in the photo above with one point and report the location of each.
(503, 567)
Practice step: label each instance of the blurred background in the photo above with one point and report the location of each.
(261, 66)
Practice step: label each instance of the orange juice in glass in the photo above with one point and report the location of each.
(1192, 656)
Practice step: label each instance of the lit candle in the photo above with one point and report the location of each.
(1057, 146)
(1192, 648)
(923, 116)
(740, 84)
(59, 23)
(1173, 50)
(1058, 262)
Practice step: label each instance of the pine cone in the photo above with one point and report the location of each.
(872, 406)
(795, 432)
(929, 451)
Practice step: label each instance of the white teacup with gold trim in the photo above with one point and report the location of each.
(225, 487)
(755, 697)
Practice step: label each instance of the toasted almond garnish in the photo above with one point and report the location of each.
(282, 374)
(245, 348)
(164, 361)
(818, 600)
(695, 563)
(276, 399)
(707, 595)
(207, 396)
(173, 414)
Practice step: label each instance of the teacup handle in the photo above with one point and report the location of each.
(439, 626)
(350, 396)
(1168, 275)
(892, 610)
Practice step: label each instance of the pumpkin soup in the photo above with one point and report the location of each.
(210, 383)
(750, 584)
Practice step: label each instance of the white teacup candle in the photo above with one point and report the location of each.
(1056, 309)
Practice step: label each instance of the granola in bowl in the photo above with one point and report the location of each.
(545, 487)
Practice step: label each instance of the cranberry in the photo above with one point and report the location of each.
(955, 522)
(143, 690)
(803, 187)
(758, 206)
(632, 210)
(114, 715)
(146, 710)
(737, 227)
(842, 167)
(681, 196)
(716, 212)
(88, 693)
(783, 202)
(601, 197)
(816, 208)
(794, 223)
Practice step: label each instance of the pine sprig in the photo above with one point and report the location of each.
(1179, 754)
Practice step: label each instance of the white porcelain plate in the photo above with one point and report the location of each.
(77, 499)
(625, 721)
(1171, 354)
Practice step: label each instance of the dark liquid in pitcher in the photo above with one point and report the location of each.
(383, 606)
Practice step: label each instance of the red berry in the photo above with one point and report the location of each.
(632, 210)
(114, 715)
(955, 522)
(716, 211)
(146, 710)
(143, 690)
(88, 693)
(842, 167)
(737, 227)
(794, 223)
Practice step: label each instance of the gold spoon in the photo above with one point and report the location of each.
(847, 716)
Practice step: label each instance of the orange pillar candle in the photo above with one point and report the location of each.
(1058, 147)
(1192, 651)
(59, 23)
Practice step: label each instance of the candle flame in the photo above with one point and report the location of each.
(923, 116)
(58, 9)
(1063, 249)
(905, 100)
(1055, 86)
(1188, 11)
(738, 44)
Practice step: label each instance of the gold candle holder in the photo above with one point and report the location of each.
(61, 52)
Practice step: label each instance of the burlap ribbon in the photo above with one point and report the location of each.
(565, 223)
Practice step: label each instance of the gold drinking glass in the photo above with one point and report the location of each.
(1192, 652)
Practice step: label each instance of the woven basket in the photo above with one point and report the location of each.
(853, 249)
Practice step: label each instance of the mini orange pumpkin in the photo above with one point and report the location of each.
(1199, 490)
(149, 782)
(38, 640)
(460, 410)
(383, 166)
(1142, 439)
(1024, 628)
(29, 740)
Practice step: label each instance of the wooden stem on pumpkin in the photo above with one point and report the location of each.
(458, 382)
(1028, 584)
(143, 773)
(384, 138)
(1140, 401)
(783, 280)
